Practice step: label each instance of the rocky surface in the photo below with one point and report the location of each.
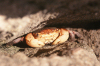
(77, 57)
(18, 17)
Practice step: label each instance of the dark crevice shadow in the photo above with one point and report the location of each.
(21, 45)
(42, 51)
(85, 24)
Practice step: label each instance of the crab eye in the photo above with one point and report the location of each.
(37, 34)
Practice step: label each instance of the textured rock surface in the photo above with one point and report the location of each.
(77, 57)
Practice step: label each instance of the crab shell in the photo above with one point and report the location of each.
(47, 36)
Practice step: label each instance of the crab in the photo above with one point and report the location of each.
(51, 36)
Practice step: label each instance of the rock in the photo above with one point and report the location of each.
(78, 57)
(12, 28)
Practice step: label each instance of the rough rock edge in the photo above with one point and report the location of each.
(78, 57)
(9, 30)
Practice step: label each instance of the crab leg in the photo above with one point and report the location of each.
(72, 35)
(16, 41)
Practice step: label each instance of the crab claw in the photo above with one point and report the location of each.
(64, 35)
(32, 42)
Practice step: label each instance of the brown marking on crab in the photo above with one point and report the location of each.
(47, 31)
(48, 36)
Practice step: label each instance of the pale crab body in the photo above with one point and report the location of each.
(47, 36)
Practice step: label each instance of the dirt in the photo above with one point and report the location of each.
(82, 16)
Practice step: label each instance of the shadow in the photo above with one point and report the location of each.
(43, 51)
(85, 24)
(21, 45)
